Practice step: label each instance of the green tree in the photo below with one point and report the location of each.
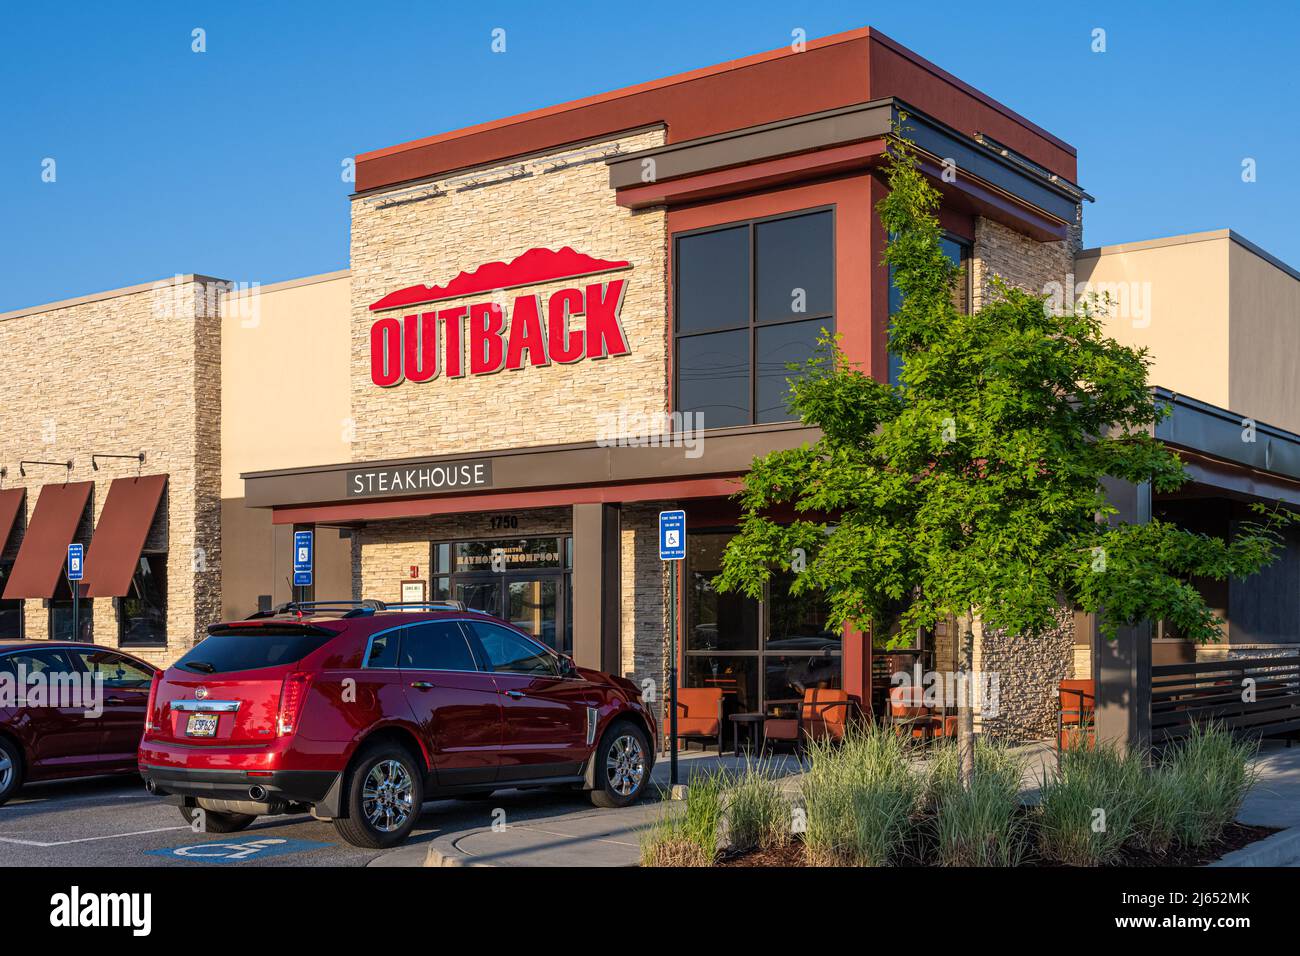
(973, 487)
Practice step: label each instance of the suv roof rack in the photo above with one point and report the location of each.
(354, 608)
(424, 606)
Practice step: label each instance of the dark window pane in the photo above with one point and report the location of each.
(508, 652)
(713, 377)
(794, 262)
(252, 647)
(48, 662)
(440, 589)
(797, 622)
(383, 650)
(142, 614)
(775, 347)
(737, 676)
(786, 677)
(436, 646)
(712, 280)
(482, 596)
(512, 554)
(727, 622)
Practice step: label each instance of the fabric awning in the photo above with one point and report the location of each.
(11, 506)
(120, 534)
(45, 546)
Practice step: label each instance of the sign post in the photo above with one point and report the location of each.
(672, 548)
(303, 548)
(76, 555)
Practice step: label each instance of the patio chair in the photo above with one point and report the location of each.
(1077, 701)
(699, 715)
(907, 713)
(823, 714)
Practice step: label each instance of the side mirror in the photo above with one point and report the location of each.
(567, 667)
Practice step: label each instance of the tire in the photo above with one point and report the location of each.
(392, 810)
(214, 821)
(623, 763)
(11, 769)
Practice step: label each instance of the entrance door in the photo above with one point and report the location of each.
(530, 600)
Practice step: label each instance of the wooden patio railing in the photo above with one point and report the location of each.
(1257, 696)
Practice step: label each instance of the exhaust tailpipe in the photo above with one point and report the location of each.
(150, 786)
(257, 793)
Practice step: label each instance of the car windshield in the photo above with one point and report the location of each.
(251, 648)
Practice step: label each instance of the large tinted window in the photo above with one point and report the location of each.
(115, 670)
(142, 613)
(251, 648)
(436, 646)
(749, 300)
(43, 661)
(383, 649)
(510, 653)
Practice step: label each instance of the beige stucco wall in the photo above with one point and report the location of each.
(1181, 315)
(431, 240)
(131, 370)
(1264, 339)
(286, 403)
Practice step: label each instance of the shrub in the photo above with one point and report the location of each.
(1211, 773)
(859, 797)
(758, 815)
(1091, 804)
(687, 836)
(978, 826)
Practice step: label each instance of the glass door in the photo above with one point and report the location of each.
(533, 606)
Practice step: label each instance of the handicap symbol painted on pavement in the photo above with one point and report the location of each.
(238, 851)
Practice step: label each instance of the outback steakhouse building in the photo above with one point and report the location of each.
(527, 292)
(474, 410)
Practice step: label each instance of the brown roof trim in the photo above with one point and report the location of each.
(827, 72)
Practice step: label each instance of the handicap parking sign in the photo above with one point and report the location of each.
(672, 535)
(238, 851)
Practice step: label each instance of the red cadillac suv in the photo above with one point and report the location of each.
(359, 712)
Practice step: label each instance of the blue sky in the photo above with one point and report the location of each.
(227, 162)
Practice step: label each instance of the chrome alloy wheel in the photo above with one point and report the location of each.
(386, 798)
(6, 771)
(625, 765)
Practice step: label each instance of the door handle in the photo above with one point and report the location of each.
(115, 700)
(516, 694)
(422, 685)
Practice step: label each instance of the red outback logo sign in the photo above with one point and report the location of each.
(422, 345)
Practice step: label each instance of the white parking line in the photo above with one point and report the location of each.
(110, 836)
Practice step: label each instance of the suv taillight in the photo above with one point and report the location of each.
(292, 694)
(149, 725)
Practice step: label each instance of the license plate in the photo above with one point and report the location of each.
(201, 725)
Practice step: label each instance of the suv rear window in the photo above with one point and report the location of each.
(251, 648)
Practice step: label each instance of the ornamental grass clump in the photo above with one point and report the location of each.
(979, 825)
(687, 836)
(758, 814)
(859, 797)
(1090, 806)
(1211, 773)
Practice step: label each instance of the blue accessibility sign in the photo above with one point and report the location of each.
(672, 535)
(238, 851)
(303, 548)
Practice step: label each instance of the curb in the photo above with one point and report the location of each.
(1276, 850)
(448, 856)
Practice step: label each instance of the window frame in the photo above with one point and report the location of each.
(753, 324)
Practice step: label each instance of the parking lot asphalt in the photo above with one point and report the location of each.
(112, 821)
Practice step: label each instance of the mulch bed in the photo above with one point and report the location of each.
(1235, 837)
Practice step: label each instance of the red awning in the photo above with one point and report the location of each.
(120, 534)
(45, 546)
(11, 506)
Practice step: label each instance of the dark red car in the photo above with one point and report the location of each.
(360, 712)
(55, 724)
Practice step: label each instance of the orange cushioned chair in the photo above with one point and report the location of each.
(699, 714)
(908, 711)
(1078, 700)
(824, 713)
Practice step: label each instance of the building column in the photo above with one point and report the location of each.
(1122, 667)
(596, 586)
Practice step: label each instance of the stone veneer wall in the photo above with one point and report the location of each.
(1028, 668)
(134, 370)
(430, 241)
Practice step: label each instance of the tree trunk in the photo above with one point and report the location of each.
(966, 709)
